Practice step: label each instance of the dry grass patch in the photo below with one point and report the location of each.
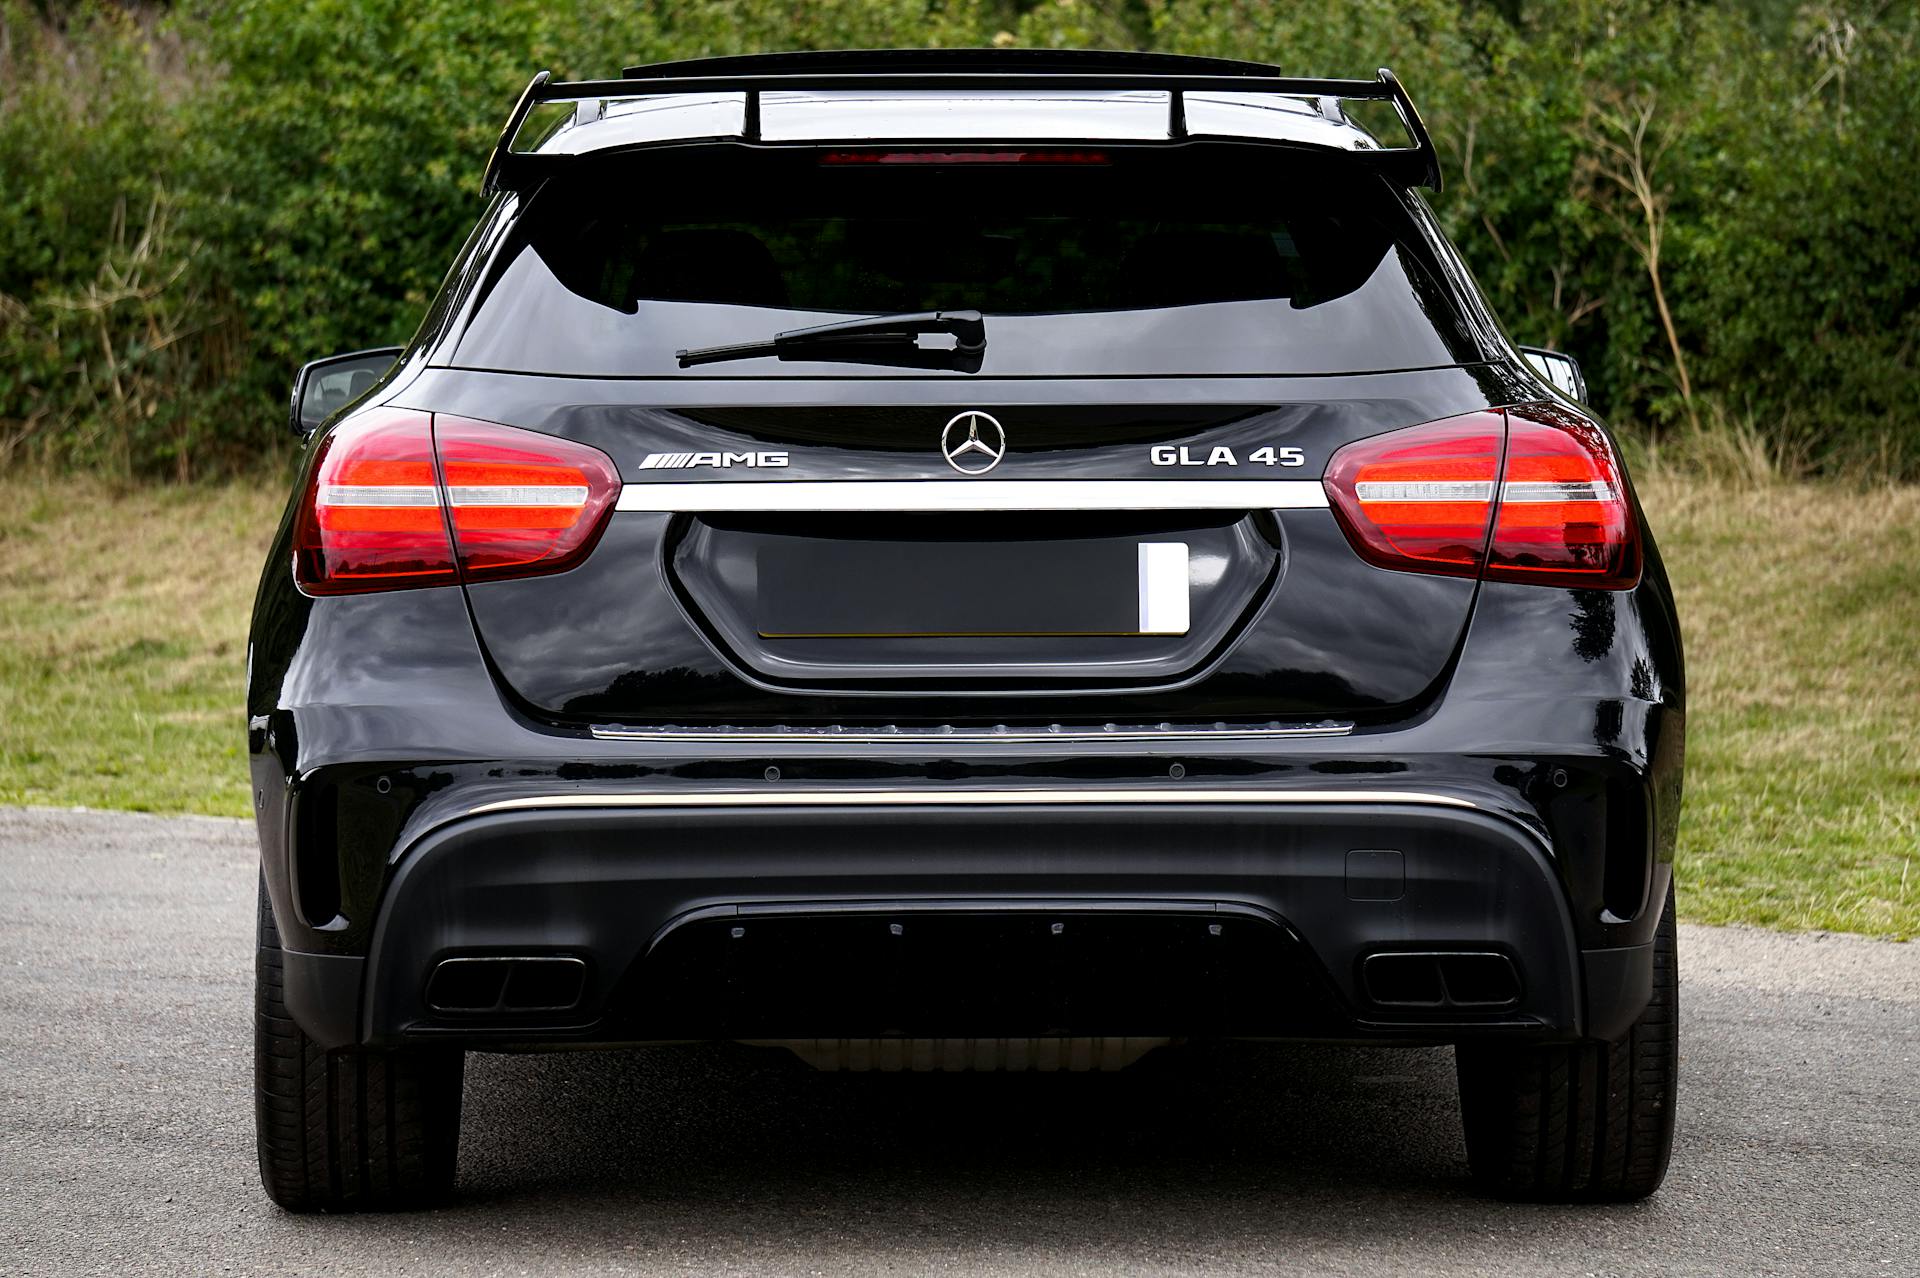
(1800, 605)
(123, 630)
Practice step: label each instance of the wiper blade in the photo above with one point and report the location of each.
(867, 336)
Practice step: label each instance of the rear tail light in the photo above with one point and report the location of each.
(383, 513)
(1563, 507)
(371, 519)
(521, 503)
(1425, 499)
(1421, 498)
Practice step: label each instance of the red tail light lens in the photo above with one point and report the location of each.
(1424, 500)
(378, 509)
(1421, 499)
(522, 503)
(371, 519)
(1563, 507)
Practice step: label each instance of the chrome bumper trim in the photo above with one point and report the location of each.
(1173, 796)
(1052, 736)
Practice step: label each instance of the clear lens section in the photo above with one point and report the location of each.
(1563, 511)
(377, 515)
(1420, 498)
(372, 518)
(522, 502)
(1425, 490)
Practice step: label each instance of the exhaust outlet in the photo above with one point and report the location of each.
(1461, 979)
(476, 984)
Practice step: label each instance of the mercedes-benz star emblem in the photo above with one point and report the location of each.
(973, 442)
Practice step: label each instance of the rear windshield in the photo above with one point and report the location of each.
(1249, 262)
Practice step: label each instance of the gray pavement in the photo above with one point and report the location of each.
(126, 1130)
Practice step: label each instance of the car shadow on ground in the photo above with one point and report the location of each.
(1190, 1150)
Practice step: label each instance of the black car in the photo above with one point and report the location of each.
(961, 560)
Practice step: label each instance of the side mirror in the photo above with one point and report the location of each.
(325, 386)
(1560, 368)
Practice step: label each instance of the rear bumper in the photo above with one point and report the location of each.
(982, 916)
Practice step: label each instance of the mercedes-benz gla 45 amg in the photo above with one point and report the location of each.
(961, 560)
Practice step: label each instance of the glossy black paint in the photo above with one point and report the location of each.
(352, 690)
(573, 883)
(1329, 634)
(379, 722)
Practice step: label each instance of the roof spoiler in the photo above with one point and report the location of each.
(1417, 165)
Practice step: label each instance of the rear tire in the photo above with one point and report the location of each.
(350, 1130)
(1586, 1122)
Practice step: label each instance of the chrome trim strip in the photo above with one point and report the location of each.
(975, 495)
(809, 736)
(1172, 796)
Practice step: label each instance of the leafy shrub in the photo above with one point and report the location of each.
(98, 328)
(1713, 205)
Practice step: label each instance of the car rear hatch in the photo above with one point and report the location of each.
(1113, 513)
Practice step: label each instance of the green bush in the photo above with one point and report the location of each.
(193, 201)
(93, 297)
(336, 164)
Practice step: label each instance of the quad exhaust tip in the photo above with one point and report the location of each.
(1468, 980)
(507, 983)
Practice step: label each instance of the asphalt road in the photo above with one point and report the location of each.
(126, 1131)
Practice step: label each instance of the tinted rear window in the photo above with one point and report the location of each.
(1239, 260)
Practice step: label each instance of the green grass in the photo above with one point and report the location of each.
(123, 618)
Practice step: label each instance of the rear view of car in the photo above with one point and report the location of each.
(961, 560)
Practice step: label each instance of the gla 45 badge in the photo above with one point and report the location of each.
(1221, 455)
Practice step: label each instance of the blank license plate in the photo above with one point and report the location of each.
(897, 589)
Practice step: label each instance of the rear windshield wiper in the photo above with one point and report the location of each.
(867, 337)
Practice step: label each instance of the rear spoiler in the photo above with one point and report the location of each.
(1417, 165)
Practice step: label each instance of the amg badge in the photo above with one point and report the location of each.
(685, 461)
